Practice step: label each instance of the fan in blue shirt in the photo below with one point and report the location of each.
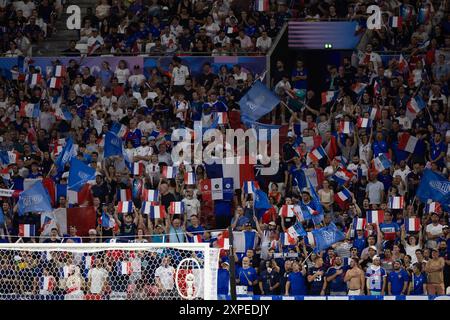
(418, 281)
(398, 280)
(246, 275)
(223, 279)
(335, 278)
(296, 283)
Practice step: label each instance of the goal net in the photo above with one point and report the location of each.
(108, 271)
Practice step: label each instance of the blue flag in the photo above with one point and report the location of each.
(257, 102)
(79, 174)
(34, 199)
(113, 145)
(66, 155)
(326, 236)
(261, 200)
(4, 157)
(261, 135)
(435, 187)
(2, 218)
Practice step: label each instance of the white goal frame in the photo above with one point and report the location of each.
(210, 265)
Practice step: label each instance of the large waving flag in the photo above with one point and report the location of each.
(296, 230)
(324, 237)
(217, 189)
(35, 199)
(257, 102)
(66, 155)
(113, 145)
(79, 174)
(261, 200)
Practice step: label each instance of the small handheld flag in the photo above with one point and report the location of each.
(250, 187)
(176, 207)
(189, 178)
(287, 211)
(124, 195)
(125, 207)
(412, 225)
(396, 202)
(359, 224)
(169, 172)
(138, 169)
(26, 230)
(433, 207)
(157, 212)
(375, 216)
(150, 195)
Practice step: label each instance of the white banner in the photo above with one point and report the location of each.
(6, 192)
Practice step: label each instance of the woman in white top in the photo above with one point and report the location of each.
(211, 27)
(122, 72)
(365, 147)
(326, 196)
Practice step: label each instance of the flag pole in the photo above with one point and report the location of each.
(232, 264)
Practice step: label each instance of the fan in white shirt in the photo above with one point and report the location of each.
(147, 125)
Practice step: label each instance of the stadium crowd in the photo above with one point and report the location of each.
(372, 108)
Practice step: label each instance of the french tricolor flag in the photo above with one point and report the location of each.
(402, 64)
(125, 207)
(412, 225)
(375, 216)
(88, 262)
(294, 232)
(374, 113)
(146, 207)
(396, 202)
(262, 5)
(122, 131)
(395, 22)
(126, 268)
(222, 117)
(55, 83)
(48, 283)
(287, 211)
(29, 110)
(138, 169)
(176, 207)
(415, 105)
(359, 224)
(124, 195)
(345, 127)
(328, 96)
(359, 88)
(250, 187)
(197, 238)
(169, 172)
(36, 78)
(342, 197)
(150, 195)
(381, 162)
(157, 212)
(316, 154)
(27, 230)
(310, 239)
(286, 240)
(342, 176)
(364, 123)
(60, 71)
(189, 178)
(433, 207)
(407, 142)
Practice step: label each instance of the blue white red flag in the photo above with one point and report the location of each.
(375, 216)
(396, 202)
(125, 207)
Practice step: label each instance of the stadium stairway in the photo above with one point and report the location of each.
(59, 40)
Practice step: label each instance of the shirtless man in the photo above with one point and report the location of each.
(355, 279)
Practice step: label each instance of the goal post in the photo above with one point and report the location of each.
(108, 271)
